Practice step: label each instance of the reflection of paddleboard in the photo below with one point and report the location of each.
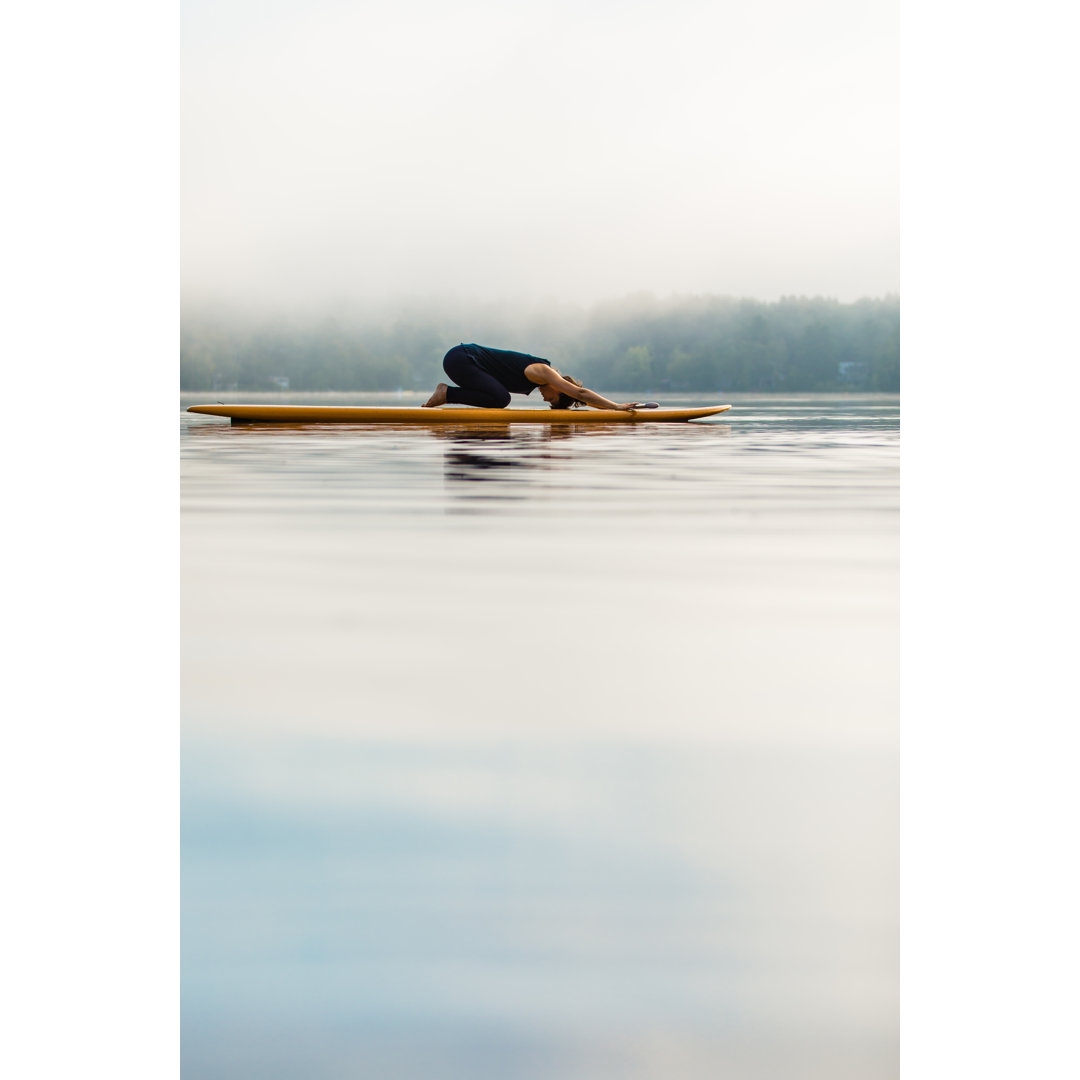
(362, 414)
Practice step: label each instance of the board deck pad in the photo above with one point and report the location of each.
(364, 414)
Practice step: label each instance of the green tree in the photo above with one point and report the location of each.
(634, 369)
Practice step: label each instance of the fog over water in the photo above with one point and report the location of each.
(335, 150)
(536, 754)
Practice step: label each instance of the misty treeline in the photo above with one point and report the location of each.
(707, 343)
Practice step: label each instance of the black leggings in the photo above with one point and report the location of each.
(474, 387)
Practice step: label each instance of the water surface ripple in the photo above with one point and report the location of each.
(541, 753)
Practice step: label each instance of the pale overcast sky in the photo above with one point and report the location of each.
(577, 150)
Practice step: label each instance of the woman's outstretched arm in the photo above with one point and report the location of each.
(552, 378)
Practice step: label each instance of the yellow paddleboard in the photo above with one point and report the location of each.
(362, 414)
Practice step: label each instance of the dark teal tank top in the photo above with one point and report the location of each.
(508, 367)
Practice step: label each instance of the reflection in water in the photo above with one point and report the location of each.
(542, 754)
(471, 457)
(470, 454)
(522, 452)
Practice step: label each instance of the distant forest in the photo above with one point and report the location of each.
(710, 343)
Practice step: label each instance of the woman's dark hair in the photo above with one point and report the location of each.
(565, 400)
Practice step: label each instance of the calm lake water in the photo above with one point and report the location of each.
(542, 754)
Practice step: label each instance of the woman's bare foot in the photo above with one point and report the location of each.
(438, 398)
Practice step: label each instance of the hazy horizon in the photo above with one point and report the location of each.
(334, 152)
